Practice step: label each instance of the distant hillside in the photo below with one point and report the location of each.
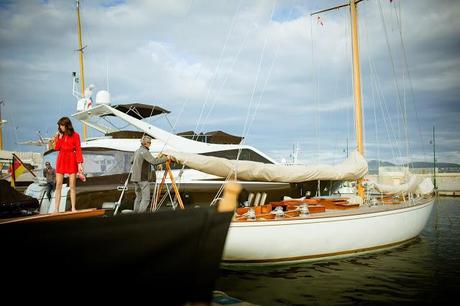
(442, 167)
(430, 165)
(375, 164)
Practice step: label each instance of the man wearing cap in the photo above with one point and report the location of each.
(50, 174)
(142, 174)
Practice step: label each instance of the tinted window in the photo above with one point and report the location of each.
(98, 162)
(246, 154)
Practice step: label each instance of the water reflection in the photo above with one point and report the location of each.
(421, 271)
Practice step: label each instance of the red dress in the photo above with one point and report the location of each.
(69, 154)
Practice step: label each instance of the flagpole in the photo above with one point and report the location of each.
(15, 156)
(13, 176)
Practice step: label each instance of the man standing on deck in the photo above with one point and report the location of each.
(50, 174)
(142, 162)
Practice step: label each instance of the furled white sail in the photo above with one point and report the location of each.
(415, 184)
(354, 167)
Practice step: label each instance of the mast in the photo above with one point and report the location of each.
(82, 71)
(357, 86)
(434, 160)
(1, 126)
(356, 78)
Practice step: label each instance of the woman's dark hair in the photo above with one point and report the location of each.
(65, 121)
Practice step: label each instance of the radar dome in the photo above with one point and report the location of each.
(103, 97)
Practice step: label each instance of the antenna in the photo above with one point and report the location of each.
(75, 90)
(107, 71)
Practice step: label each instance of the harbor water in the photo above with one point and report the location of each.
(425, 270)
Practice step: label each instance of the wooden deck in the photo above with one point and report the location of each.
(85, 213)
(339, 212)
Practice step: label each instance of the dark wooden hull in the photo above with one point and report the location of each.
(174, 255)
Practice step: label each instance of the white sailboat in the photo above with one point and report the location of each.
(392, 217)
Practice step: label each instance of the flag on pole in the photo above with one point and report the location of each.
(16, 169)
(90, 103)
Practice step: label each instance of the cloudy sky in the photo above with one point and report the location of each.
(266, 70)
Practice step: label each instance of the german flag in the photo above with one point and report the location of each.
(16, 169)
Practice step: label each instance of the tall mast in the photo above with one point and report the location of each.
(356, 78)
(434, 160)
(82, 71)
(1, 126)
(357, 85)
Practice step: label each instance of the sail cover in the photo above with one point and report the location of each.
(415, 184)
(353, 168)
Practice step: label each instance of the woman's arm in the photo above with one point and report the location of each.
(78, 153)
(57, 141)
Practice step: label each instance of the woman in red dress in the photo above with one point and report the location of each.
(69, 160)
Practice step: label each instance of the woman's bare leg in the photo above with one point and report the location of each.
(73, 190)
(57, 193)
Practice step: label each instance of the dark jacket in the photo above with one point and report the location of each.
(142, 160)
(50, 174)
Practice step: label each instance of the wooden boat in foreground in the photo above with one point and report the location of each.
(172, 255)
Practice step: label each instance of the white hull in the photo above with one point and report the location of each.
(329, 235)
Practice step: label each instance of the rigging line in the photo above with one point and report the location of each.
(374, 99)
(113, 125)
(223, 83)
(221, 189)
(316, 90)
(346, 52)
(260, 97)
(391, 59)
(261, 94)
(224, 47)
(375, 83)
(411, 86)
(350, 72)
(384, 110)
(169, 122)
(347, 88)
(251, 101)
(175, 124)
(248, 114)
(386, 116)
(394, 76)
(404, 100)
(186, 101)
(136, 112)
(266, 82)
(264, 88)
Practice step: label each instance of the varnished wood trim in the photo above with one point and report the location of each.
(85, 213)
(348, 214)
